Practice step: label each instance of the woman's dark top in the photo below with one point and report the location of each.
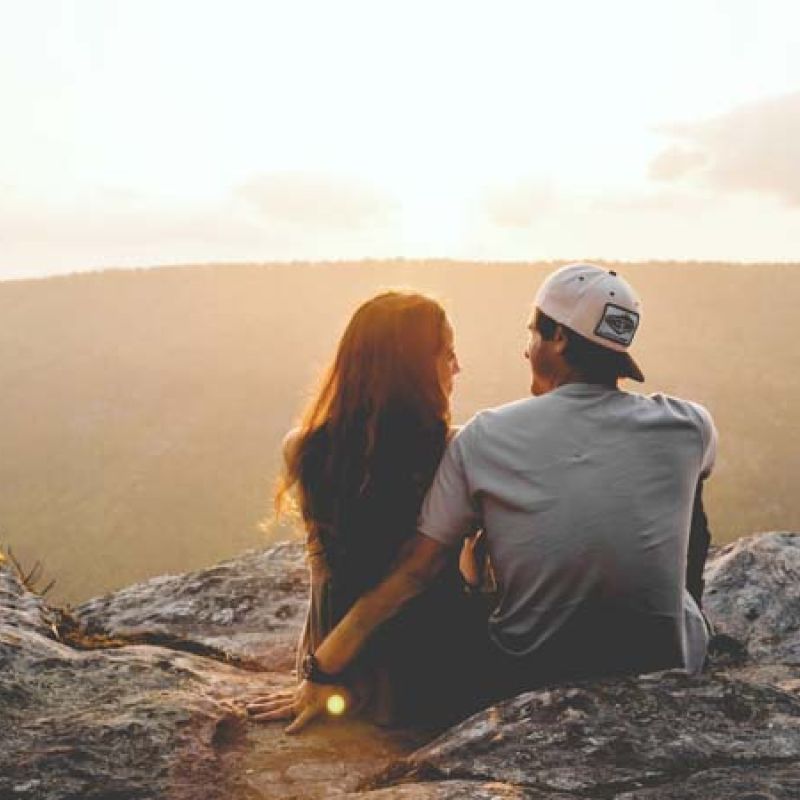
(357, 525)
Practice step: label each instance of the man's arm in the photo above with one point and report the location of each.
(699, 542)
(420, 561)
(699, 533)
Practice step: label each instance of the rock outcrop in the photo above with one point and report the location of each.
(127, 722)
(128, 696)
(248, 610)
(618, 738)
(753, 593)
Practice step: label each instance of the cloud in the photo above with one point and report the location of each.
(678, 201)
(117, 227)
(519, 204)
(107, 229)
(754, 148)
(315, 199)
(110, 217)
(676, 161)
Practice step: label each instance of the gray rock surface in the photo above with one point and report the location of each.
(131, 722)
(88, 711)
(605, 739)
(248, 610)
(753, 594)
(128, 697)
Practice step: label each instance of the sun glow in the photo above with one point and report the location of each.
(426, 111)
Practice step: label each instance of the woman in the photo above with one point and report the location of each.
(360, 465)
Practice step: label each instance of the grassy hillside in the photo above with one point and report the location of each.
(141, 411)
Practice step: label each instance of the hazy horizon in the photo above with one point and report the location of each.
(143, 410)
(399, 260)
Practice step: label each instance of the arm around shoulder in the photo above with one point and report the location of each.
(420, 562)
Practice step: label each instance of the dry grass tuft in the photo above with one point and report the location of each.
(32, 579)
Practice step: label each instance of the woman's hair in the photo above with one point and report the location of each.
(384, 371)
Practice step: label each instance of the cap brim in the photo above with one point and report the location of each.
(631, 368)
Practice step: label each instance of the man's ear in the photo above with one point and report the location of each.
(560, 339)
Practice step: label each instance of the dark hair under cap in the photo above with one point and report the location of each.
(595, 363)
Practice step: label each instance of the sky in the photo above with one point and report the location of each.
(145, 132)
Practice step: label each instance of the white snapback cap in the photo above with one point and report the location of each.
(597, 304)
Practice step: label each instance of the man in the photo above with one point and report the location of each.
(585, 494)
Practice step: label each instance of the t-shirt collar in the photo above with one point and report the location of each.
(584, 390)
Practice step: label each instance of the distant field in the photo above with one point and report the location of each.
(141, 411)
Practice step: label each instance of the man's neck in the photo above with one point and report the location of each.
(575, 376)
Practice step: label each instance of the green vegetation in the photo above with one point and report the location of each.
(142, 411)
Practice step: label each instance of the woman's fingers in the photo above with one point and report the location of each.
(260, 708)
(270, 695)
(277, 697)
(281, 712)
(304, 704)
(472, 560)
(306, 715)
(273, 706)
(476, 542)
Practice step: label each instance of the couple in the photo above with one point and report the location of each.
(586, 497)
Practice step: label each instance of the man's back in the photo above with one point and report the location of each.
(586, 496)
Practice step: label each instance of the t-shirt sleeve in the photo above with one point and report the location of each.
(449, 512)
(708, 431)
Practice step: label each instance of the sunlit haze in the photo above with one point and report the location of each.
(151, 132)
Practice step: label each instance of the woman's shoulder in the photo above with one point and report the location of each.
(290, 444)
(302, 444)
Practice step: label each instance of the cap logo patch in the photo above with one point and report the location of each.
(617, 324)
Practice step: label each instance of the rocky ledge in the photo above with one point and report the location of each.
(127, 696)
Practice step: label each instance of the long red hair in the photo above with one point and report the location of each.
(386, 362)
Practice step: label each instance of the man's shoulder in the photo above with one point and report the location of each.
(497, 416)
(495, 426)
(678, 406)
(689, 412)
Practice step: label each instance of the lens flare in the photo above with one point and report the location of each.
(336, 705)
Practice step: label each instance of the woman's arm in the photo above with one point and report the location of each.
(289, 446)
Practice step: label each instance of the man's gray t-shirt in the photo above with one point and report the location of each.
(585, 495)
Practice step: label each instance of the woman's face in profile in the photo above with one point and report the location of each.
(447, 366)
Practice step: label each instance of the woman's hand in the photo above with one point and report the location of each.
(303, 704)
(472, 561)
